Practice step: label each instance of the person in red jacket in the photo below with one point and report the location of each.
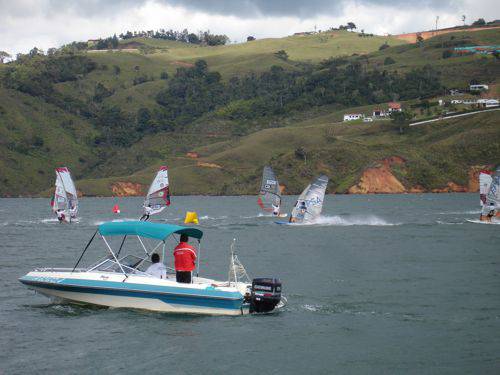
(185, 260)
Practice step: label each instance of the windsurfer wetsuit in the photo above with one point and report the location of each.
(488, 213)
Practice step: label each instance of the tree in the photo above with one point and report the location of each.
(351, 26)
(389, 61)
(447, 53)
(4, 55)
(420, 38)
(193, 39)
(479, 22)
(383, 46)
(163, 75)
(143, 119)
(117, 70)
(281, 54)
(401, 120)
(250, 38)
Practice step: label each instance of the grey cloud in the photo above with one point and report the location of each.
(240, 8)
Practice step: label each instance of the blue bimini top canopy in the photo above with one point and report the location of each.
(146, 229)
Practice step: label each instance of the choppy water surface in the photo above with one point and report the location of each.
(381, 284)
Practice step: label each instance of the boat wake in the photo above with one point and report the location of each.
(350, 220)
(477, 221)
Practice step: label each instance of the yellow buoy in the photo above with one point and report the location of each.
(191, 218)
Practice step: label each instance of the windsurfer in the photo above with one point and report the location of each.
(60, 215)
(147, 212)
(276, 210)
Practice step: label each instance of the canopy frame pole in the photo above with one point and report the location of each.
(144, 247)
(114, 256)
(198, 259)
(84, 250)
(163, 254)
(121, 245)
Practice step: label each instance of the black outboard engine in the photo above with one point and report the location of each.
(266, 294)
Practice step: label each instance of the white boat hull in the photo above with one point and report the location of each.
(136, 292)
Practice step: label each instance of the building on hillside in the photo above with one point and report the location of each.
(394, 107)
(455, 92)
(479, 87)
(469, 101)
(353, 116)
(367, 119)
(377, 112)
(487, 103)
(456, 101)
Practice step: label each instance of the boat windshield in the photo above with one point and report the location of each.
(131, 265)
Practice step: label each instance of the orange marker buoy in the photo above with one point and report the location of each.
(116, 209)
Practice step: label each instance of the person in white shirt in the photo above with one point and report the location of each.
(157, 269)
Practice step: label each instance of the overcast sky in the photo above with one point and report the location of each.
(51, 23)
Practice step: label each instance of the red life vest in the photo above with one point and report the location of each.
(185, 257)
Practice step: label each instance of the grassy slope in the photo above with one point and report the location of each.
(230, 60)
(25, 167)
(342, 151)
(435, 154)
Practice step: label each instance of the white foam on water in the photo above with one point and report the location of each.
(99, 222)
(206, 217)
(369, 220)
(484, 222)
(469, 212)
(449, 223)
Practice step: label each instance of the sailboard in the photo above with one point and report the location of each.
(158, 196)
(491, 206)
(269, 198)
(310, 203)
(65, 200)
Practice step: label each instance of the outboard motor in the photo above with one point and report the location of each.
(265, 295)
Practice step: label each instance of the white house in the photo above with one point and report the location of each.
(479, 87)
(394, 107)
(367, 119)
(488, 103)
(457, 101)
(352, 116)
(377, 112)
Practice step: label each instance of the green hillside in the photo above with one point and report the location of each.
(115, 116)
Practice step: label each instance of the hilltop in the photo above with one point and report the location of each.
(114, 117)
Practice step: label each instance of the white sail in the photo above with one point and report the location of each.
(310, 203)
(269, 195)
(65, 199)
(484, 185)
(493, 195)
(158, 196)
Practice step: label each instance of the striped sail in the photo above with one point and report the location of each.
(65, 196)
(493, 196)
(158, 196)
(269, 194)
(484, 185)
(310, 203)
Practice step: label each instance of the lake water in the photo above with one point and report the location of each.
(382, 284)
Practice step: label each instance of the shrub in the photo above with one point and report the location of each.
(447, 53)
(389, 60)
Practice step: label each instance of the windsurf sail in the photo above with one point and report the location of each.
(310, 203)
(158, 196)
(269, 195)
(65, 201)
(484, 185)
(493, 195)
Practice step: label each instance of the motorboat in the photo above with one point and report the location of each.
(121, 281)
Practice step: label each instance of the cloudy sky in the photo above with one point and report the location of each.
(51, 23)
